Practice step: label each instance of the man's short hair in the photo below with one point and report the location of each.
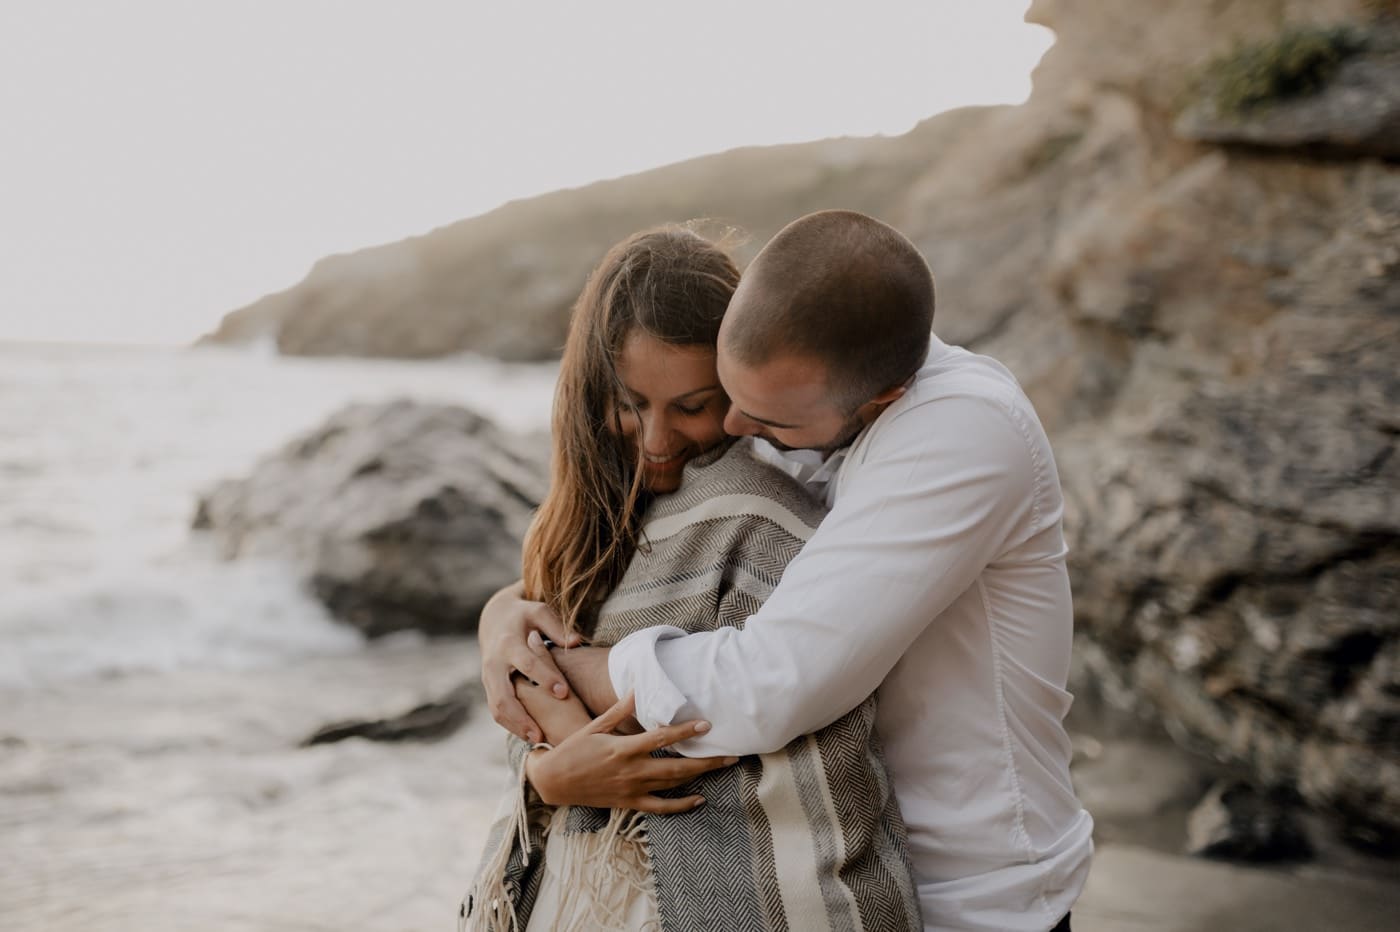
(844, 289)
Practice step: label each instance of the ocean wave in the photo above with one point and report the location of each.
(192, 613)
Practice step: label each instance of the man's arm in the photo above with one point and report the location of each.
(586, 669)
(913, 529)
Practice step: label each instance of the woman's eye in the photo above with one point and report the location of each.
(690, 412)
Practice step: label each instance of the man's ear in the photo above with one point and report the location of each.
(889, 395)
(872, 408)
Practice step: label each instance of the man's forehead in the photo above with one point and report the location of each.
(775, 387)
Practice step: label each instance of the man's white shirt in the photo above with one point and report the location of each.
(938, 577)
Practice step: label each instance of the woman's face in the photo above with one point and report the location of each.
(680, 406)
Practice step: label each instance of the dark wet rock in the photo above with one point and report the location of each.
(431, 721)
(401, 515)
(1236, 822)
(1372, 839)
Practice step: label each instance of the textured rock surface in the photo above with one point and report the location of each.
(402, 515)
(1237, 536)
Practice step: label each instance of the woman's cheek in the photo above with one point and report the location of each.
(721, 411)
(626, 423)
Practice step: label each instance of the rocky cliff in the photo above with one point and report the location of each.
(501, 284)
(1187, 246)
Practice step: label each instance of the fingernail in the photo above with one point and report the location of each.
(698, 803)
(534, 640)
(533, 737)
(731, 761)
(561, 690)
(701, 727)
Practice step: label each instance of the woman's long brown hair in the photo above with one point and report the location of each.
(674, 285)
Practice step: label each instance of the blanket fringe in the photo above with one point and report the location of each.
(489, 907)
(600, 875)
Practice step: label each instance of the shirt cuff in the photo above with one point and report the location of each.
(634, 667)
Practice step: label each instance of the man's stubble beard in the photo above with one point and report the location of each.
(844, 436)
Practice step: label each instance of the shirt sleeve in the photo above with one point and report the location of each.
(942, 490)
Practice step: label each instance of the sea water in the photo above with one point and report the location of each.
(103, 452)
(153, 698)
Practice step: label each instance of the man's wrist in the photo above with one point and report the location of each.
(586, 669)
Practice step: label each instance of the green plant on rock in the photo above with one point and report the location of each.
(1299, 60)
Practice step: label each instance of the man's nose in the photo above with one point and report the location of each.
(736, 425)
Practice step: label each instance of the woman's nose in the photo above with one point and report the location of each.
(656, 434)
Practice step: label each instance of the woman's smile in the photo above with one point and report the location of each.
(674, 403)
(667, 461)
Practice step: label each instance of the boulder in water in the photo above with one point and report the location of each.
(401, 515)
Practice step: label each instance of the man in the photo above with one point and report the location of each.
(938, 577)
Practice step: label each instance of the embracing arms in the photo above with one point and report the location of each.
(927, 511)
(589, 764)
(931, 503)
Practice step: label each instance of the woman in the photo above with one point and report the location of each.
(653, 517)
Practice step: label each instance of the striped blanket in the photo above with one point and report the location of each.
(805, 838)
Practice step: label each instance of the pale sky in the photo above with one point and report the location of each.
(163, 162)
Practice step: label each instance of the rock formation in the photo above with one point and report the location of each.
(1229, 451)
(400, 515)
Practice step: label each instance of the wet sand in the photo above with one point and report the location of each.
(1138, 890)
(183, 802)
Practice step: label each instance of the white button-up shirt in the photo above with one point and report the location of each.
(938, 577)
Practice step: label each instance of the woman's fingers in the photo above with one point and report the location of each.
(549, 624)
(684, 769)
(664, 806)
(594, 767)
(667, 735)
(501, 633)
(669, 774)
(505, 707)
(533, 660)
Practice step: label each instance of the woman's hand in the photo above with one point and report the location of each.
(509, 635)
(593, 767)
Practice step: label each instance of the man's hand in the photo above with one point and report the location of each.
(593, 767)
(509, 635)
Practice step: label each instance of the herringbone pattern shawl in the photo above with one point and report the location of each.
(805, 838)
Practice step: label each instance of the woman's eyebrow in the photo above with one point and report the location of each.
(697, 391)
